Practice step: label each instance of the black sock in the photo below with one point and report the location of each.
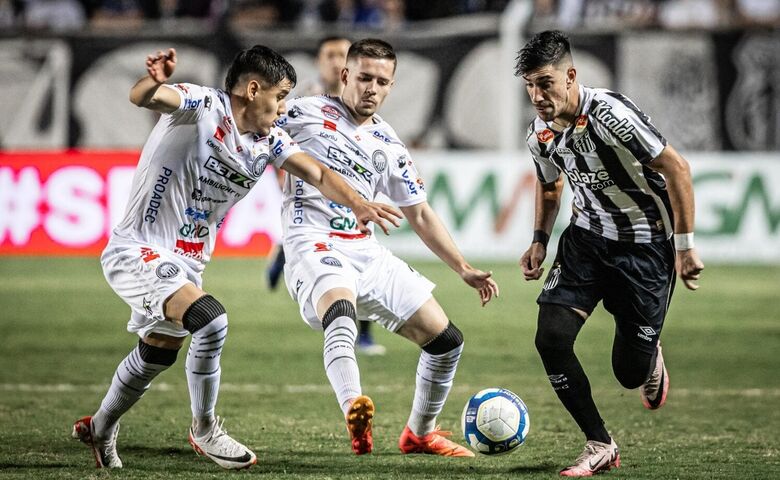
(557, 328)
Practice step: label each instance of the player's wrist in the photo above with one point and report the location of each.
(683, 241)
(540, 236)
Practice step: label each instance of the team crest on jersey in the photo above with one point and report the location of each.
(584, 144)
(167, 270)
(580, 124)
(330, 261)
(259, 163)
(545, 136)
(330, 112)
(294, 112)
(379, 159)
(553, 277)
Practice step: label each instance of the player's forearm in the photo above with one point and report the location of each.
(680, 188)
(333, 187)
(547, 205)
(427, 225)
(143, 91)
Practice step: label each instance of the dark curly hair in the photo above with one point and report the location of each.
(545, 48)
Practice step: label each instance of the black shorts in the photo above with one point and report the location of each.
(635, 280)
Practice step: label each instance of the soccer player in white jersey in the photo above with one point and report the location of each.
(631, 228)
(338, 274)
(206, 152)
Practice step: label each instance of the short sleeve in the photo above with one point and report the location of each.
(630, 127)
(291, 121)
(282, 146)
(196, 101)
(403, 184)
(546, 170)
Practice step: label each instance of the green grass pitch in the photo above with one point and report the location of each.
(63, 333)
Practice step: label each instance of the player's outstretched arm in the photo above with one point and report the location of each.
(677, 173)
(548, 201)
(434, 234)
(147, 92)
(333, 187)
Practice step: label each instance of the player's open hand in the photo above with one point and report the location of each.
(482, 282)
(161, 65)
(531, 261)
(689, 267)
(376, 212)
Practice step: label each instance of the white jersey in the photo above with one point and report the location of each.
(193, 168)
(370, 158)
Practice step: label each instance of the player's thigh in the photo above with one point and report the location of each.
(312, 275)
(642, 279)
(146, 277)
(391, 292)
(576, 276)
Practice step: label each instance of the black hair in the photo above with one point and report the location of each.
(268, 64)
(372, 48)
(331, 38)
(545, 48)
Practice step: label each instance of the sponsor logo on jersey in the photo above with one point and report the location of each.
(323, 247)
(190, 104)
(192, 230)
(213, 145)
(189, 249)
(281, 121)
(379, 159)
(298, 285)
(220, 168)
(355, 150)
(411, 185)
(564, 152)
(341, 157)
(197, 214)
(545, 136)
(338, 206)
(343, 223)
(382, 136)
(327, 135)
(207, 102)
(329, 125)
(298, 203)
(584, 144)
(153, 208)
(646, 332)
(219, 186)
(294, 112)
(147, 254)
(596, 180)
(219, 134)
(620, 128)
(331, 261)
(420, 183)
(402, 161)
(167, 270)
(197, 194)
(553, 277)
(330, 112)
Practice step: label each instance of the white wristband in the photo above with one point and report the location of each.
(683, 241)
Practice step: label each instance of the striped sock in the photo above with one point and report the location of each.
(132, 378)
(203, 371)
(340, 362)
(435, 374)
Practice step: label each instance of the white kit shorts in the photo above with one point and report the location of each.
(387, 289)
(144, 276)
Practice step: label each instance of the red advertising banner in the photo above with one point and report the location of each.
(66, 203)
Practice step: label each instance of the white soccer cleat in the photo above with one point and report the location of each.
(222, 448)
(104, 451)
(654, 391)
(597, 457)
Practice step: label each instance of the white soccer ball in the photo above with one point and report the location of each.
(495, 421)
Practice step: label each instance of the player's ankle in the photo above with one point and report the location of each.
(202, 426)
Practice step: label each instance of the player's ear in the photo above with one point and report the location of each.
(344, 75)
(571, 75)
(252, 89)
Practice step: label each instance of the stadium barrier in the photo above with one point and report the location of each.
(65, 203)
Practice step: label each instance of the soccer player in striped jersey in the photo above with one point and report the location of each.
(631, 229)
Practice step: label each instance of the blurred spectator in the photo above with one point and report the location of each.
(55, 15)
(694, 13)
(758, 12)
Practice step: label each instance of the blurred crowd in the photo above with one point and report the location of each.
(70, 15)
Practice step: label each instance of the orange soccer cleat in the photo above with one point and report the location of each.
(360, 418)
(434, 443)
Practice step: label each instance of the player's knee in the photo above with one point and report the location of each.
(629, 376)
(557, 328)
(202, 312)
(157, 355)
(449, 339)
(631, 366)
(339, 308)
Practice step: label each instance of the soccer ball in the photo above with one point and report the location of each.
(495, 421)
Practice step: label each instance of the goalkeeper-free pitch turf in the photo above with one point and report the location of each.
(62, 333)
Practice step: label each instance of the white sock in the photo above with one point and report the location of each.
(340, 363)
(435, 374)
(203, 372)
(132, 378)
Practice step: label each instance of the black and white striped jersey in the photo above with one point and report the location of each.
(605, 154)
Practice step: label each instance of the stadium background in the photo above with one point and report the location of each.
(706, 72)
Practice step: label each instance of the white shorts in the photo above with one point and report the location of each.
(144, 276)
(388, 291)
